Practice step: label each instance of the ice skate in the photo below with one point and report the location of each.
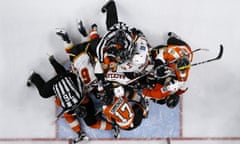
(146, 107)
(29, 80)
(63, 34)
(81, 28)
(81, 139)
(116, 131)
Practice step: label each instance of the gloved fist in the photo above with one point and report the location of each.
(173, 85)
(81, 111)
(106, 93)
(172, 100)
(162, 72)
(151, 81)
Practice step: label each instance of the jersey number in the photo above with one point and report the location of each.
(124, 113)
(67, 97)
(85, 75)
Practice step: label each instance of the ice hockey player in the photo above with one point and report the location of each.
(83, 59)
(122, 52)
(78, 53)
(67, 89)
(171, 72)
(121, 49)
(82, 62)
(70, 95)
(119, 111)
(82, 56)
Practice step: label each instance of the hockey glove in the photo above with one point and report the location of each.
(105, 92)
(172, 101)
(151, 81)
(81, 111)
(173, 85)
(162, 72)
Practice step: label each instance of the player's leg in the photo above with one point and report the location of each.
(93, 119)
(66, 40)
(56, 65)
(76, 127)
(111, 10)
(138, 115)
(44, 89)
(82, 29)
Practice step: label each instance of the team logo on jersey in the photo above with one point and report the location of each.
(115, 76)
(142, 48)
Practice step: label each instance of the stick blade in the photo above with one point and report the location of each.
(221, 52)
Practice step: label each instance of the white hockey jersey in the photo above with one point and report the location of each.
(85, 70)
(140, 58)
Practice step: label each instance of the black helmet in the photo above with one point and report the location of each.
(138, 116)
(121, 42)
(113, 52)
(119, 38)
(172, 100)
(182, 62)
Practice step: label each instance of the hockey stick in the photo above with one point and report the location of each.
(149, 69)
(206, 61)
(141, 76)
(199, 50)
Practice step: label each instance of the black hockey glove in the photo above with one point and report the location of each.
(151, 81)
(106, 95)
(108, 88)
(172, 100)
(163, 72)
(81, 111)
(158, 63)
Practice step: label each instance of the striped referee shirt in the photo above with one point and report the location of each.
(109, 36)
(68, 93)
